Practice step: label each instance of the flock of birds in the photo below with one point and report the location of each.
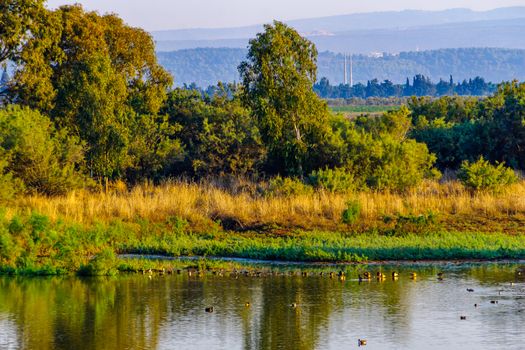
(341, 276)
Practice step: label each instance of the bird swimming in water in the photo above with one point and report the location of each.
(209, 309)
(361, 342)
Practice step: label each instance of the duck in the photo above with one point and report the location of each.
(413, 275)
(470, 290)
(367, 275)
(247, 304)
(305, 274)
(493, 301)
(395, 275)
(209, 309)
(332, 274)
(380, 276)
(361, 342)
(294, 305)
(462, 317)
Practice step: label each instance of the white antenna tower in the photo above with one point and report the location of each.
(346, 73)
(351, 71)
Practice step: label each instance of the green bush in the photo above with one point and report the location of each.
(104, 263)
(483, 176)
(351, 213)
(286, 186)
(34, 155)
(336, 180)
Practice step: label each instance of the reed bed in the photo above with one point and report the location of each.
(201, 203)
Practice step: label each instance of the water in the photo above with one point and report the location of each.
(167, 312)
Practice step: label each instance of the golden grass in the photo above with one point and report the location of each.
(201, 204)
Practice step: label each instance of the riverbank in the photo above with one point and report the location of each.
(34, 244)
(85, 232)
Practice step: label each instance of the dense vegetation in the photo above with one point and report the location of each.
(420, 86)
(90, 113)
(207, 66)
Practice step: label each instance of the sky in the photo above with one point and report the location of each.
(178, 14)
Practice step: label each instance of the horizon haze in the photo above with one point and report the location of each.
(171, 15)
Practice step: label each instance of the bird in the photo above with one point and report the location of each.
(294, 305)
(440, 276)
(395, 275)
(209, 309)
(470, 290)
(475, 305)
(493, 301)
(413, 275)
(367, 275)
(361, 342)
(462, 317)
(247, 304)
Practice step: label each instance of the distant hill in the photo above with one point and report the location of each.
(380, 31)
(207, 66)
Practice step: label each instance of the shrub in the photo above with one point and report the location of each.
(336, 180)
(286, 186)
(483, 176)
(104, 263)
(351, 213)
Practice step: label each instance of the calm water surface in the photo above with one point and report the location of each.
(167, 312)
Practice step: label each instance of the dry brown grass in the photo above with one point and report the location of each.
(202, 204)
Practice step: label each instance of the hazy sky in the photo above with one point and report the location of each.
(175, 14)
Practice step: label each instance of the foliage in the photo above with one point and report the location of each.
(380, 156)
(286, 186)
(483, 176)
(104, 263)
(36, 156)
(337, 180)
(17, 19)
(351, 212)
(217, 134)
(459, 129)
(277, 79)
(93, 75)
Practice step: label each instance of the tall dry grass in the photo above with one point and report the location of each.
(204, 203)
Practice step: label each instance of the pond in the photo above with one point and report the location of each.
(286, 309)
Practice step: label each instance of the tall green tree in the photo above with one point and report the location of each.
(277, 79)
(93, 75)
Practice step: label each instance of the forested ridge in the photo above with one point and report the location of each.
(207, 66)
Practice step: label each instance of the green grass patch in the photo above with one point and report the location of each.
(34, 245)
(363, 109)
